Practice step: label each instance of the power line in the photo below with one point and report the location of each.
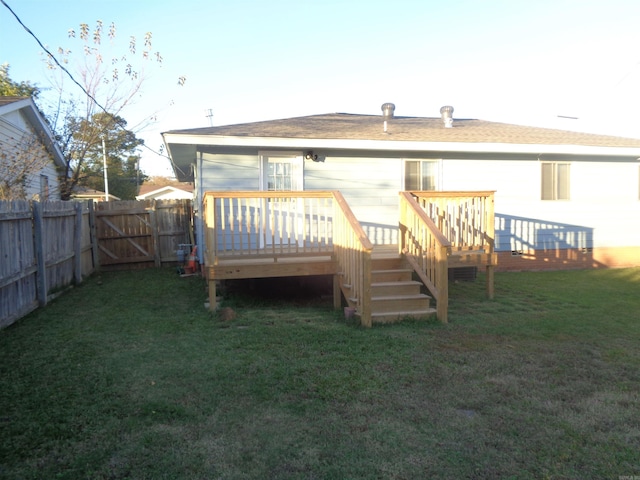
(53, 57)
(74, 80)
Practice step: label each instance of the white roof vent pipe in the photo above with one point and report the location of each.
(387, 113)
(446, 113)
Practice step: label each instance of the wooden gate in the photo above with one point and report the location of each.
(142, 233)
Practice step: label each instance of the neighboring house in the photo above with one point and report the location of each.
(562, 199)
(166, 192)
(84, 193)
(29, 155)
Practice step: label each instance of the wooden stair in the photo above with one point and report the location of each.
(395, 296)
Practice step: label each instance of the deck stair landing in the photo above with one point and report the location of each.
(394, 294)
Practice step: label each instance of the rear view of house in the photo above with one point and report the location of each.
(562, 199)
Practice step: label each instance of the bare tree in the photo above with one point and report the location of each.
(110, 79)
(22, 155)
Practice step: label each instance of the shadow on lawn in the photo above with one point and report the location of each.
(296, 291)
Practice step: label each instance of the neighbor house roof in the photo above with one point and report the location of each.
(86, 193)
(153, 191)
(27, 106)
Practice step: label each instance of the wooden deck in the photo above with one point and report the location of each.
(282, 234)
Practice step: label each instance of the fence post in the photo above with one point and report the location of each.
(77, 244)
(38, 243)
(93, 232)
(155, 234)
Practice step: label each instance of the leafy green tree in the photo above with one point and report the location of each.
(86, 151)
(11, 88)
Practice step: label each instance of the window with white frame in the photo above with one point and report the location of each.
(281, 172)
(421, 174)
(555, 181)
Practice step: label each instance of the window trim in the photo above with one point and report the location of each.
(555, 189)
(437, 176)
(297, 173)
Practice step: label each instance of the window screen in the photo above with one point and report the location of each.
(420, 175)
(555, 181)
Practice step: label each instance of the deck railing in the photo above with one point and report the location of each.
(441, 229)
(353, 253)
(465, 218)
(244, 225)
(276, 225)
(426, 249)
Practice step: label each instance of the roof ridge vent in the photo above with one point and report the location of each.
(446, 113)
(387, 113)
(387, 110)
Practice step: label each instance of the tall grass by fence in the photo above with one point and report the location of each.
(47, 247)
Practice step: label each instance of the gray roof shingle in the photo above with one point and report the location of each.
(418, 129)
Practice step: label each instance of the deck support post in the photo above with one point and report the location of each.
(337, 292)
(365, 300)
(442, 281)
(490, 282)
(212, 295)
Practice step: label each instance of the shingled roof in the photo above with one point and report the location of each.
(28, 108)
(342, 126)
(6, 100)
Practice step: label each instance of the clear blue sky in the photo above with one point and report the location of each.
(516, 61)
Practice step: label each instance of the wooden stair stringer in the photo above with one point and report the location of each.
(395, 295)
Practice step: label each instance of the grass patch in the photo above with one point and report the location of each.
(127, 376)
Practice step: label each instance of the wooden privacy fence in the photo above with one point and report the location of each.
(146, 233)
(46, 247)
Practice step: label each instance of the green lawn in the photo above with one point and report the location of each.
(127, 376)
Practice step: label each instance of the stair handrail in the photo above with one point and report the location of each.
(352, 249)
(426, 249)
(466, 218)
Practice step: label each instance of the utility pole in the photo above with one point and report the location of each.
(106, 179)
(137, 176)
